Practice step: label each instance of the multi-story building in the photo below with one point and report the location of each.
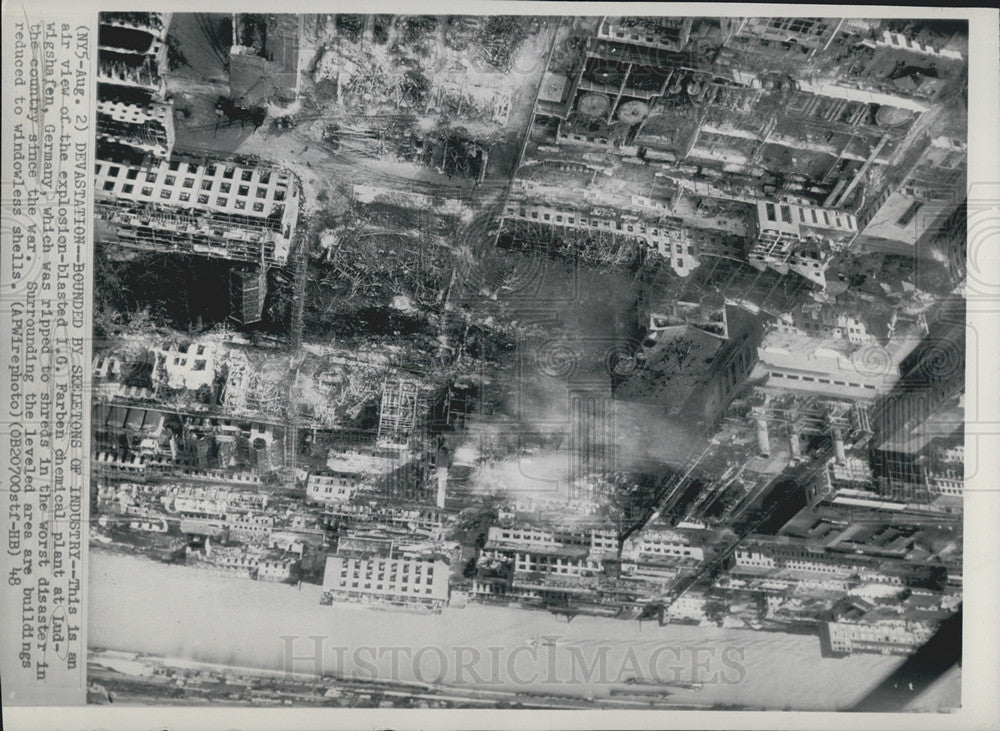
(773, 234)
(888, 635)
(946, 481)
(231, 500)
(541, 562)
(777, 229)
(912, 203)
(553, 574)
(247, 290)
(668, 34)
(417, 581)
(928, 402)
(219, 210)
(148, 128)
(334, 487)
(925, 409)
(135, 72)
(543, 565)
(189, 366)
(215, 507)
(276, 569)
(670, 241)
(780, 36)
(797, 363)
(661, 546)
(950, 452)
(753, 557)
(133, 121)
(594, 543)
(825, 322)
(248, 563)
(250, 527)
(134, 34)
(689, 606)
(798, 559)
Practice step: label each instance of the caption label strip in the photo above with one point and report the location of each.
(45, 282)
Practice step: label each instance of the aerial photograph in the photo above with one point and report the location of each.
(541, 362)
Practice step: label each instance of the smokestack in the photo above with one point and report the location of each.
(838, 446)
(793, 442)
(442, 485)
(763, 440)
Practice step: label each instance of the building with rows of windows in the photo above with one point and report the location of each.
(795, 235)
(219, 210)
(421, 581)
(671, 242)
(148, 128)
(332, 488)
(885, 636)
(833, 369)
(133, 119)
(594, 542)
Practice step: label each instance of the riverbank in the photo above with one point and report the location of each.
(140, 606)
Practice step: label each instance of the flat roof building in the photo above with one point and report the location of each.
(218, 210)
(797, 363)
(420, 581)
(148, 128)
(332, 488)
(669, 240)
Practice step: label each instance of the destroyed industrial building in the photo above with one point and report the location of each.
(640, 318)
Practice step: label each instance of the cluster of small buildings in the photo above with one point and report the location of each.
(891, 420)
(846, 499)
(576, 569)
(174, 468)
(862, 580)
(870, 552)
(866, 587)
(769, 144)
(900, 629)
(214, 404)
(142, 441)
(185, 407)
(828, 134)
(230, 529)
